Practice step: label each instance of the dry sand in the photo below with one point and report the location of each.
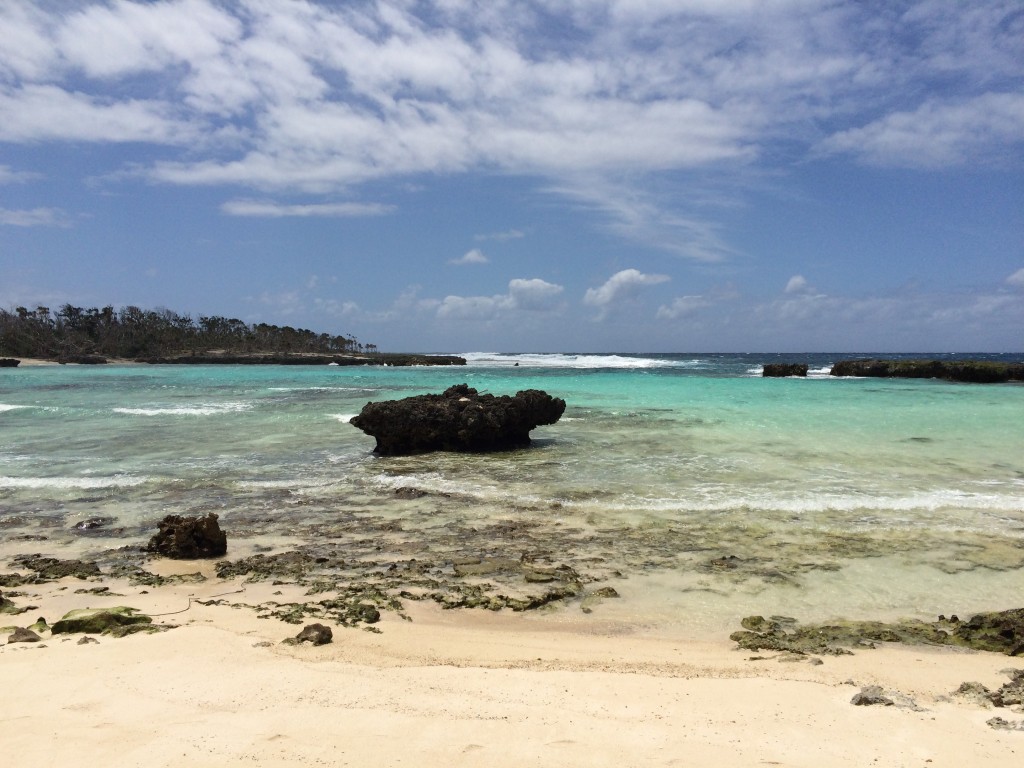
(466, 688)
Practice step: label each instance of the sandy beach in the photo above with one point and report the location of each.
(465, 688)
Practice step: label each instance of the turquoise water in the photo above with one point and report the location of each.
(700, 488)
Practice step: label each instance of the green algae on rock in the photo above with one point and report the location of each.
(1000, 632)
(118, 621)
(52, 569)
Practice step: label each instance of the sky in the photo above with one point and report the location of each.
(525, 175)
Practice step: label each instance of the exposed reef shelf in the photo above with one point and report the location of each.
(973, 371)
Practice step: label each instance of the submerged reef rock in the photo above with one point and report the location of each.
(780, 370)
(52, 569)
(973, 371)
(460, 419)
(1001, 632)
(189, 538)
(119, 621)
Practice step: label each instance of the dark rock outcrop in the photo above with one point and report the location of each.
(8, 606)
(972, 371)
(189, 538)
(9, 362)
(1002, 632)
(1011, 694)
(871, 695)
(780, 370)
(317, 634)
(460, 419)
(22, 635)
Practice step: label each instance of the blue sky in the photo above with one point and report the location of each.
(536, 175)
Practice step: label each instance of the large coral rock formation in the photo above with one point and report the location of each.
(460, 419)
(189, 538)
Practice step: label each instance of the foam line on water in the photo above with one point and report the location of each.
(553, 360)
(116, 481)
(208, 409)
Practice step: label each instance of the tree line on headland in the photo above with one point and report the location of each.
(130, 332)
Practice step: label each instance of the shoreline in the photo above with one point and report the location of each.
(464, 687)
(395, 359)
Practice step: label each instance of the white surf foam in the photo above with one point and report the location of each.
(5, 407)
(208, 409)
(344, 418)
(555, 360)
(115, 481)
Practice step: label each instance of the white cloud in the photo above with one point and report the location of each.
(475, 256)
(598, 97)
(797, 284)
(36, 113)
(1016, 279)
(620, 287)
(510, 234)
(682, 306)
(268, 209)
(637, 215)
(36, 217)
(127, 38)
(9, 176)
(937, 134)
(534, 295)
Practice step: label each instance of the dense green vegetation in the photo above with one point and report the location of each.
(132, 332)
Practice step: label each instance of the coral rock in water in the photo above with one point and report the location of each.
(460, 419)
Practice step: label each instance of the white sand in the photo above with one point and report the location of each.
(466, 688)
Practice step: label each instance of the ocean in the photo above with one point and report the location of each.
(699, 490)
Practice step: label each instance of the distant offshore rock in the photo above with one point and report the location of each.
(377, 358)
(972, 371)
(781, 370)
(460, 419)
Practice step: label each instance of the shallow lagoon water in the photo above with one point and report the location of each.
(700, 490)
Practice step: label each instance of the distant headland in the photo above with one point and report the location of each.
(97, 335)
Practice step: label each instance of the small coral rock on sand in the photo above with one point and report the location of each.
(117, 621)
(317, 634)
(871, 695)
(22, 635)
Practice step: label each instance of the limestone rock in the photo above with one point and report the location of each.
(189, 538)
(871, 695)
(459, 419)
(317, 634)
(116, 621)
(22, 635)
(778, 370)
